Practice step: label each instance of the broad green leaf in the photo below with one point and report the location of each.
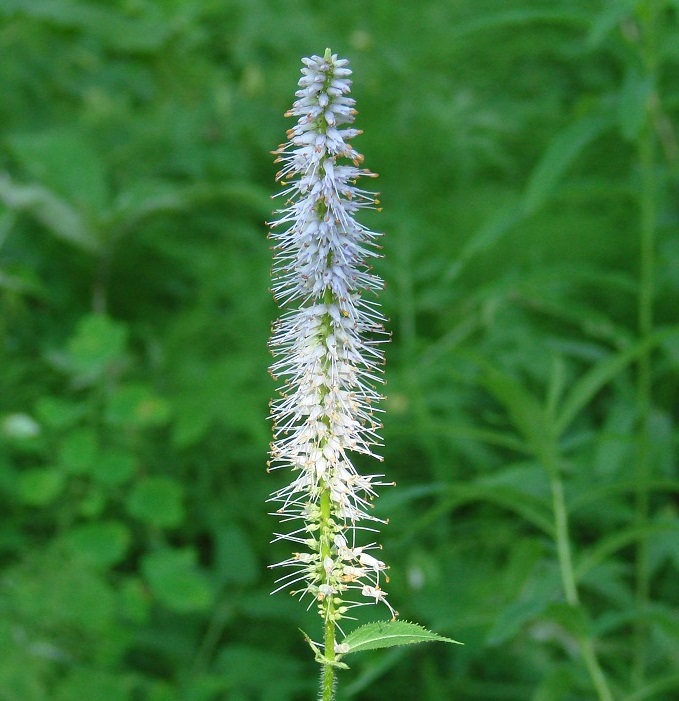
(389, 634)
(559, 156)
(65, 162)
(78, 450)
(52, 211)
(135, 405)
(114, 467)
(235, 557)
(151, 198)
(176, 581)
(101, 544)
(61, 593)
(93, 502)
(41, 486)
(134, 599)
(158, 501)
(85, 683)
(97, 343)
(59, 413)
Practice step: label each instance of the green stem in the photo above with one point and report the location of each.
(648, 216)
(328, 672)
(569, 584)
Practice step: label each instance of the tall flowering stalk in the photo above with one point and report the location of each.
(328, 353)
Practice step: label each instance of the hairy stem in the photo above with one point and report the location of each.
(328, 672)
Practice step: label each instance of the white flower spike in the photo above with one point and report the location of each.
(327, 347)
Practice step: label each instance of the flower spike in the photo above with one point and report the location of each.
(327, 348)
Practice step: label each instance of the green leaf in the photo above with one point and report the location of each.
(484, 21)
(114, 467)
(52, 211)
(137, 406)
(514, 617)
(176, 581)
(49, 157)
(498, 225)
(158, 501)
(588, 385)
(97, 343)
(77, 451)
(618, 540)
(635, 94)
(101, 544)
(235, 557)
(559, 156)
(526, 414)
(84, 683)
(59, 413)
(40, 486)
(389, 634)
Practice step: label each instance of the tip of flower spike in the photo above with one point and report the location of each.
(328, 55)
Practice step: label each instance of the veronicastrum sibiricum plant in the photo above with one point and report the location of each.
(328, 353)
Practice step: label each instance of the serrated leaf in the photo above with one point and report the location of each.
(390, 634)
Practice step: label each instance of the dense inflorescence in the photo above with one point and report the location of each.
(327, 349)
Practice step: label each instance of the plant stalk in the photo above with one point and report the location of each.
(328, 671)
(647, 221)
(569, 584)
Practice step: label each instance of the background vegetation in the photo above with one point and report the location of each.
(530, 183)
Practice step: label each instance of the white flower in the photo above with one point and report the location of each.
(327, 348)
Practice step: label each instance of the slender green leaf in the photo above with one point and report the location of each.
(584, 389)
(559, 156)
(554, 12)
(389, 634)
(526, 414)
(621, 539)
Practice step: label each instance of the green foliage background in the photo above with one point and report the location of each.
(530, 184)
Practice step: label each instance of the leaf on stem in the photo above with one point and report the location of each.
(389, 634)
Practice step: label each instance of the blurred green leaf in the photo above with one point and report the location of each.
(49, 157)
(41, 486)
(157, 501)
(635, 95)
(563, 150)
(176, 581)
(78, 451)
(114, 467)
(52, 211)
(97, 343)
(135, 405)
(59, 413)
(236, 562)
(83, 683)
(101, 544)
(135, 600)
